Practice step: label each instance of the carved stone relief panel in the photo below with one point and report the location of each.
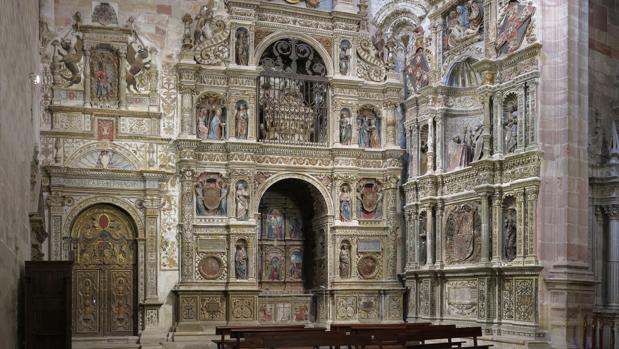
(462, 298)
(346, 307)
(463, 234)
(243, 308)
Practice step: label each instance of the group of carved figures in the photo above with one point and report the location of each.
(463, 22)
(369, 197)
(212, 194)
(211, 118)
(368, 128)
(467, 148)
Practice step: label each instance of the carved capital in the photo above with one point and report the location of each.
(612, 211)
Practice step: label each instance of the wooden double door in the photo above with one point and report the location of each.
(104, 273)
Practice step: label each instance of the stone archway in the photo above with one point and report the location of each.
(292, 250)
(105, 258)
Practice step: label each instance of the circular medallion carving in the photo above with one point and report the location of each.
(368, 267)
(210, 267)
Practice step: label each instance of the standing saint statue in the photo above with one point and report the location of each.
(345, 203)
(344, 262)
(241, 120)
(240, 262)
(345, 127)
(242, 201)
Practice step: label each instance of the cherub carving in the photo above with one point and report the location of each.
(138, 59)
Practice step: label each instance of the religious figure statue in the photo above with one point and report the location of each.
(202, 29)
(216, 126)
(345, 56)
(390, 53)
(211, 117)
(478, 143)
(374, 134)
(509, 233)
(460, 153)
(275, 269)
(242, 47)
(511, 132)
(240, 262)
(69, 54)
(369, 129)
(422, 250)
(345, 203)
(241, 119)
(515, 21)
(463, 22)
(378, 40)
(242, 201)
(345, 261)
(345, 127)
(138, 60)
(364, 140)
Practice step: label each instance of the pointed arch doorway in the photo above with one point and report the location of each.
(104, 273)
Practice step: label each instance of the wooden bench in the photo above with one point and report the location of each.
(263, 332)
(334, 340)
(442, 333)
(224, 331)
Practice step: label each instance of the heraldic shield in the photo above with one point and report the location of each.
(211, 193)
(369, 196)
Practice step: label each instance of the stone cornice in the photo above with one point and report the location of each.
(104, 111)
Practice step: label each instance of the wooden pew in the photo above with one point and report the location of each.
(264, 332)
(442, 334)
(305, 340)
(224, 331)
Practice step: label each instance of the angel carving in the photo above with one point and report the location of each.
(138, 59)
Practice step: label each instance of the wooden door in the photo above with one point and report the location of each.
(104, 273)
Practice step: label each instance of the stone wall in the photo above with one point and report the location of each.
(19, 55)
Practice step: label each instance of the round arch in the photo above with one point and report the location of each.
(303, 177)
(74, 158)
(324, 54)
(125, 206)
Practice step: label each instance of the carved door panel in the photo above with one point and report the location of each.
(104, 273)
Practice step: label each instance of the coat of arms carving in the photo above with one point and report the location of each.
(463, 229)
(211, 194)
(369, 195)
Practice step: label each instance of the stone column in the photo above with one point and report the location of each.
(187, 210)
(532, 111)
(389, 117)
(86, 77)
(431, 145)
(499, 139)
(520, 225)
(355, 127)
(612, 264)
(414, 162)
(531, 252)
(598, 245)
(187, 124)
(485, 226)
(151, 213)
(430, 235)
(497, 225)
(440, 246)
(486, 135)
(56, 211)
(440, 140)
(412, 220)
(522, 119)
(122, 90)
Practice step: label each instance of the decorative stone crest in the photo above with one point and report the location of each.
(209, 35)
(369, 196)
(211, 194)
(369, 66)
(463, 234)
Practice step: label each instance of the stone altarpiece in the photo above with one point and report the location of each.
(473, 175)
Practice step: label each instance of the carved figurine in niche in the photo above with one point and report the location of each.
(210, 34)
(242, 200)
(242, 47)
(345, 127)
(378, 40)
(369, 196)
(211, 116)
(104, 14)
(345, 203)
(67, 57)
(104, 65)
(241, 119)
(514, 24)
(477, 143)
(345, 57)
(240, 261)
(422, 240)
(211, 195)
(423, 157)
(463, 22)
(275, 225)
(460, 152)
(345, 260)
(274, 269)
(138, 59)
(509, 233)
(390, 53)
(510, 130)
(369, 128)
(296, 265)
(202, 29)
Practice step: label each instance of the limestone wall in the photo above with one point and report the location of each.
(19, 55)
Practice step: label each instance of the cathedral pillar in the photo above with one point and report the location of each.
(612, 264)
(187, 210)
(430, 235)
(598, 245)
(485, 97)
(412, 220)
(389, 116)
(122, 91)
(485, 226)
(531, 253)
(439, 140)
(87, 78)
(497, 225)
(186, 111)
(431, 145)
(440, 246)
(520, 225)
(498, 123)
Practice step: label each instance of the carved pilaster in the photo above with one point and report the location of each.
(412, 220)
(86, 78)
(187, 123)
(522, 119)
(612, 264)
(440, 135)
(485, 227)
(531, 113)
(122, 91)
(414, 160)
(56, 211)
(151, 213)
(520, 225)
(430, 235)
(497, 232)
(531, 253)
(431, 145)
(440, 246)
(187, 244)
(498, 123)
